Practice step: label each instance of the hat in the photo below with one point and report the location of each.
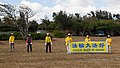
(29, 34)
(48, 33)
(11, 33)
(69, 34)
(87, 36)
(109, 36)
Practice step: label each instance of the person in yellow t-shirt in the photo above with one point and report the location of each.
(87, 39)
(48, 42)
(68, 40)
(109, 41)
(11, 42)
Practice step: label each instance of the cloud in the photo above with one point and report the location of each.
(37, 8)
(113, 3)
(75, 6)
(1, 3)
(47, 7)
(85, 6)
(70, 6)
(113, 6)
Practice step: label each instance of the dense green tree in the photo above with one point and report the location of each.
(88, 24)
(45, 24)
(1, 22)
(63, 20)
(52, 26)
(33, 26)
(101, 15)
(8, 21)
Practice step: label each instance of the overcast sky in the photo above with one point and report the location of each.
(47, 7)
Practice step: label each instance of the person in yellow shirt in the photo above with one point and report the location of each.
(11, 42)
(109, 41)
(68, 40)
(87, 39)
(48, 42)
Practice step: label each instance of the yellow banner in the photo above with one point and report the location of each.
(88, 47)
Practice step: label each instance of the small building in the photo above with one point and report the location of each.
(41, 31)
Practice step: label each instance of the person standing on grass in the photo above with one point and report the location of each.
(68, 40)
(109, 40)
(48, 42)
(29, 43)
(11, 42)
(87, 39)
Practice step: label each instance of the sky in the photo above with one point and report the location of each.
(44, 8)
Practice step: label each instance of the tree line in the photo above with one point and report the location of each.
(18, 20)
(6, 25)
(81, 25)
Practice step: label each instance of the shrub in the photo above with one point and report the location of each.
(35, 36)
(59, 34)
(4, 36)
(18, 36)
(38, 36)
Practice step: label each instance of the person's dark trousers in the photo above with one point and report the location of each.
(12, 47)
(29, 48)
(48, 46)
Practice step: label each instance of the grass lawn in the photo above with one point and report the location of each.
(58, 58)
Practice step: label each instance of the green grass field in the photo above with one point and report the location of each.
(58, 58)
